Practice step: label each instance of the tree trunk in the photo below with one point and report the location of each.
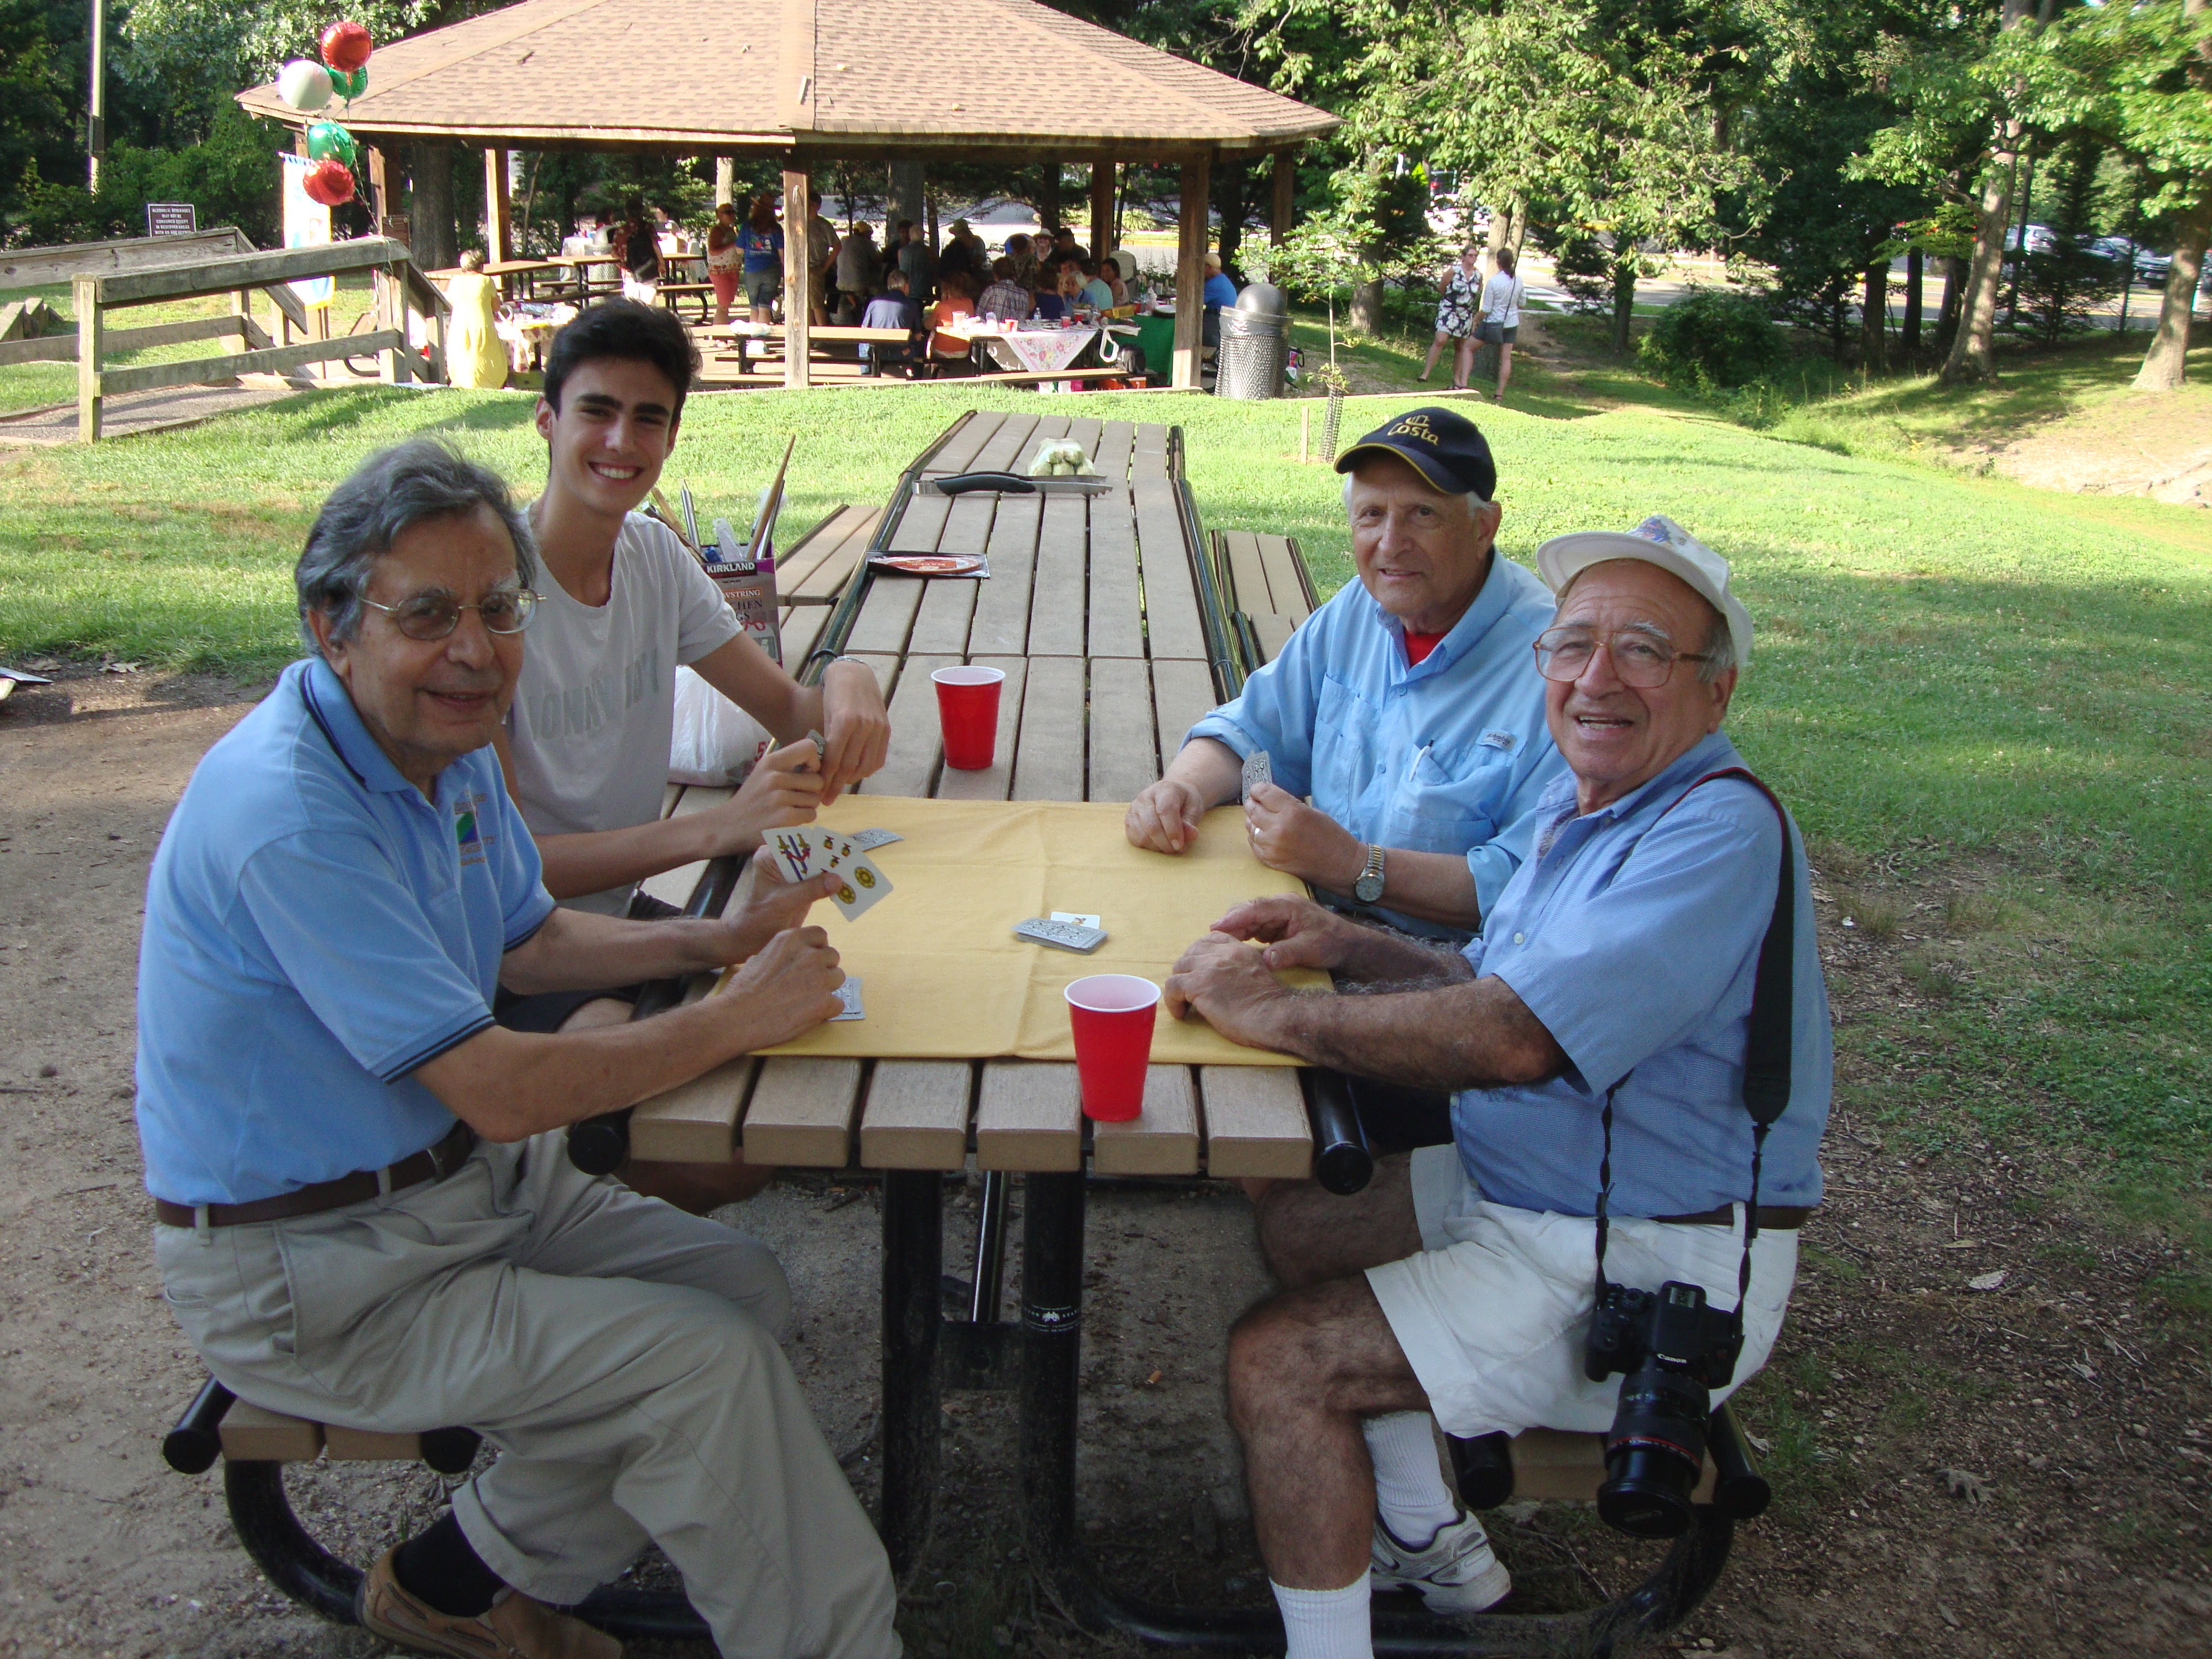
(436, 246)
(2166, 363)
(1516, 228)
(1874, 319)
(726, 181)
(1972, 348)
(1624, 305)
(1048, 197)
(1501, 226)
(1946, 313)
(1229, 202)
(1367, 306)
(1915, 274)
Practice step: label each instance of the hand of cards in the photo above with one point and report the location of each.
(807, 851)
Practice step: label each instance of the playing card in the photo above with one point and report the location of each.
(796, 853)
(864, 884)
(849, 994)
(1258, 768)
(1078, 918)
(821, 744)
(868, 840)
(1060, 935)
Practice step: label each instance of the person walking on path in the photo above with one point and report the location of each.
(1501, 317)
(1462, 286)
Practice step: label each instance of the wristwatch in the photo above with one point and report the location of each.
(1368, 888)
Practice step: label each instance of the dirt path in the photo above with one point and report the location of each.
(2018, 1470)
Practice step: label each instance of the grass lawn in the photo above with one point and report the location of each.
(1991, 707)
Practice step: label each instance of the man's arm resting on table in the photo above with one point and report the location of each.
(507, 1085)
(1206, 773)
(1301, 841)
(1475, 1035)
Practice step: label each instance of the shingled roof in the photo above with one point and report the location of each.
(839, 76)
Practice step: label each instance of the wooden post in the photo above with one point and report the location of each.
(499, 207)
(1190, 272)
(1286, 185)
(85, 291)
(797, 276)
(1102, 208)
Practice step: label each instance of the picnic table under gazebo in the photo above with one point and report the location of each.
(818, 82)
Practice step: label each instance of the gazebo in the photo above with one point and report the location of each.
(819, 81)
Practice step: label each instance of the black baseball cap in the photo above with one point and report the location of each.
(1446, 447)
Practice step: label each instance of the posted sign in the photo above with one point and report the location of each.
(172, 219)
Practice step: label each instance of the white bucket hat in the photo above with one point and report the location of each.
(1658, 540)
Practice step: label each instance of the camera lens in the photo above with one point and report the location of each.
(1654, 1454)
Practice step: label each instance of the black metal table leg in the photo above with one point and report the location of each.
(912, 1264)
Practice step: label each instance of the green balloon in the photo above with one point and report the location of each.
(328, 138)
(350, 83)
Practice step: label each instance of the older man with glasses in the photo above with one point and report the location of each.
(366, 1214)
(1598, 1036)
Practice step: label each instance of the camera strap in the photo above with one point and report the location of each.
(1765, 1050)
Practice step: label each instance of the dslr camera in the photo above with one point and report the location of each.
(1675, 1351)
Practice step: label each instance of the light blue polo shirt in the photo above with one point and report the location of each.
(1633, 935)
(1448, 755)
(315, 930)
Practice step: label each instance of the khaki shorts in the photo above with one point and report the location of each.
(1494, 1311)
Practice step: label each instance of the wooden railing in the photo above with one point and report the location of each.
(402, 290)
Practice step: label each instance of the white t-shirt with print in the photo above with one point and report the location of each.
(595, 703)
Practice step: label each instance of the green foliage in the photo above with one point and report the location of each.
(2139, 75)
(1373, 228)
(232, 180)
(1714, 335)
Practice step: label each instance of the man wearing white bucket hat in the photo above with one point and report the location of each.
(1640, 1034)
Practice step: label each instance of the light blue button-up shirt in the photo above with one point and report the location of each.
(1448, 755)
(316, 929)
(1633, 935)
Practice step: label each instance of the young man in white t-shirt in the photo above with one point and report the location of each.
(622, 604)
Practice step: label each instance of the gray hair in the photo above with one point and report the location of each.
(389, 493)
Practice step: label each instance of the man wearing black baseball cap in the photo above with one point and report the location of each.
(1408, 707)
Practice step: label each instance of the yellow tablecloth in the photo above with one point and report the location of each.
(942, 975)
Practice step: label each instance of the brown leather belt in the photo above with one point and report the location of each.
(431, 1163)
(1772, 1218)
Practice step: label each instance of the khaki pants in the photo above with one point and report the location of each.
(620, 1354)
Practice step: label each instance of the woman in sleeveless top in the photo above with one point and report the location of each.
(1462, 285)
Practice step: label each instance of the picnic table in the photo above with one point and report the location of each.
(528, 271)
(1039, 348)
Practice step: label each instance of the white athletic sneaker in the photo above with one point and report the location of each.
(1456, 1573)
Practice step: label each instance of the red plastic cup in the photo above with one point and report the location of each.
(968, 708)
(1112, 1015)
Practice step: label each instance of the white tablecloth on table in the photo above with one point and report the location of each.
(1040, 350)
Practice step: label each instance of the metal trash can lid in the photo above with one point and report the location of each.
(1265, 299)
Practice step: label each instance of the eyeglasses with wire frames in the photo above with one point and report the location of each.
(429, 616)
(1642, 657)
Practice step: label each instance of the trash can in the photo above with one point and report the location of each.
(1254, 344)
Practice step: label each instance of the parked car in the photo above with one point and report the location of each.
(2152, 267)
(2041, 239)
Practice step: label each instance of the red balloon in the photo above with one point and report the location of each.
(330, 181)
(346, 46)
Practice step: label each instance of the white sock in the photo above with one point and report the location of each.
(1326, 1624)
(1409, 1483)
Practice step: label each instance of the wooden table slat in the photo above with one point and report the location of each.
(793, 563)
(1287, 578)
(1273, 633)
(916, 1116)
(696, 1122)
(1111, 456)
(968, 524)
(1124, 754)
(1172, 623)
(801, 1113)
(1086, 432)
(345, 1445)
(1057, 604)
(1009, 448)
(1117, 603)
(1182, 696)
(1248, 576)
(920, 523)
(1049, 765)
(824, 580)
(1029, 1116)
(1001, 624)
(910, 766)
(941, 624)
(994, 782)
(1161, 1140)
(1256, 1122)
(1150, 437)
(959, 451)
(674, 886)
(886, 615)
(1048, 428)
(798, 627)
(251, 1434)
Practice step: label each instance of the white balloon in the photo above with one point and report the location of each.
(304, 84)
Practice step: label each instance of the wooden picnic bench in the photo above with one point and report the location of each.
(1269, 590)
